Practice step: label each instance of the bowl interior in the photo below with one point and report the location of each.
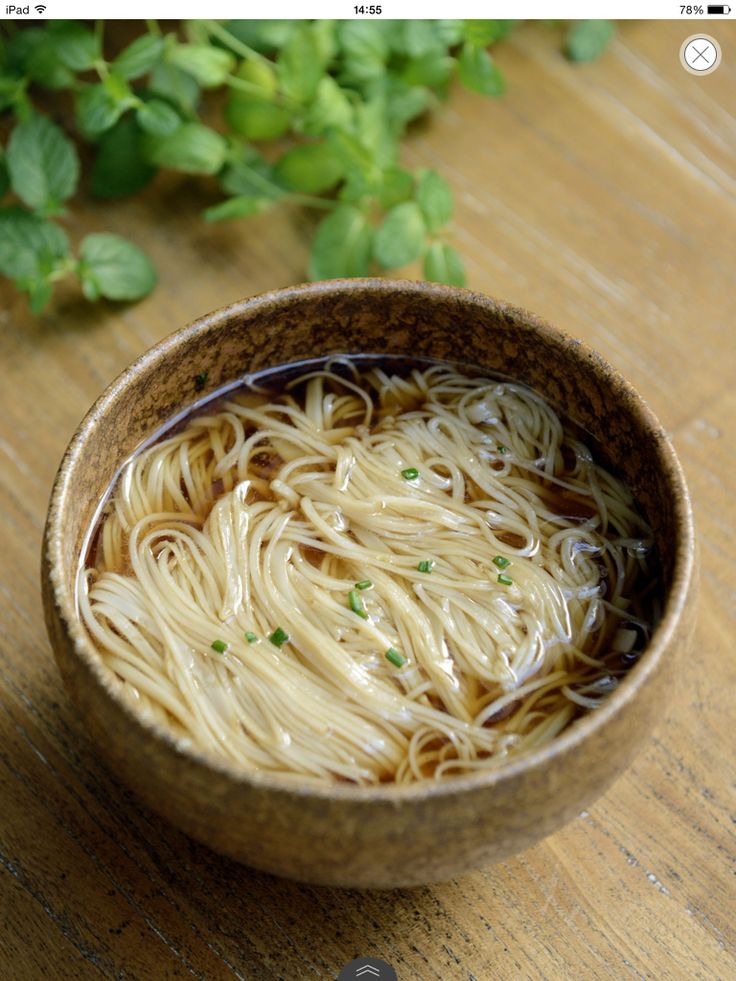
(363, 316)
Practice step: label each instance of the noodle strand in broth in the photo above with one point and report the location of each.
(369, 577)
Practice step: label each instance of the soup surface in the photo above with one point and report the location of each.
(368, 569)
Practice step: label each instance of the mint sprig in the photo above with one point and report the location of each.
(334, 99)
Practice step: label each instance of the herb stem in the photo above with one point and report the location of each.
(237, 46)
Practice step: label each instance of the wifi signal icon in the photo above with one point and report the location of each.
(39, 9)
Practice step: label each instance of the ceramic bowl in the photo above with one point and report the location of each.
(346, 835)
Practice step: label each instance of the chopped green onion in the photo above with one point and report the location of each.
(251, 637)
(426, 565)
(363, 584)
(278, 637)
(505, 580)
(219, 645)
(501, 562)
(395, 658)
(200, 380)
(411, 473)
(356, 604)
(502, 449)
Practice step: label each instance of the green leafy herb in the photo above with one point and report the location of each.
(42, 164)
(356, 604)
(219, 645)
(434, 199)
(251, 637)
(588, 39)
(426, 565)
(443, 264)
(505, 580)
(200, 380)
(501, 562)
(392, 655)
(411, 473)
(401, 237)
(210, 66)
(158, 117)
(338, 96)
(279, 637)
(120, 168)
(502, 449)
(364, 584)
(192, 148)
(478, 71)
(140, 57)
(112, 267)
(342, 245)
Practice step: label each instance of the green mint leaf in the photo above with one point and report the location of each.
(264, 36)
(256, 119)
(251, 176)
(192, 149)
(399, 102)
(75, 45)
(478, 71)
(300, 65)
(431, 70)
(175, 85)
(97, 110)
(210, 66)
(397, 185)
(33, 53)
(261, 76)
(401, 237)
(365, 48)
(442, 264)
(42, 163)
(158, 117)
(331, 108)
(588, 39)
(434, 197)
(481, 33)
(311, 169)
(30, 247)
(342, 245)
(120, 167)
(373, 129)
(140, 57)
(416, 38)
(242, 206)
(450, 32)
(112, 267)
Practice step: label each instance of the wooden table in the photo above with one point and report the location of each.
(601, 196)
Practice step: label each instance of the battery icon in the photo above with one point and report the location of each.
(718, 10)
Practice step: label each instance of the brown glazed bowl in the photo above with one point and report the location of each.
(384, 836)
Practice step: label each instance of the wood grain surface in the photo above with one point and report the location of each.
(602, 197)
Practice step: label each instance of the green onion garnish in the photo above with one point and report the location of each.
(426, 565)
(219, 645)
(251, 637)
(278, 637)
(395, 658)
(200, 380)
(363, 584)
(411, 473)
(502, 449)
(356, 604)
(501, 562)
(505, 580)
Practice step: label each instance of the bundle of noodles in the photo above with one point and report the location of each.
(370, 577)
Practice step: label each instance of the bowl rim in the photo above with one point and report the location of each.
(532, 760)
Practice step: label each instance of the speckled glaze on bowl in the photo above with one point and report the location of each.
(345, 835)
